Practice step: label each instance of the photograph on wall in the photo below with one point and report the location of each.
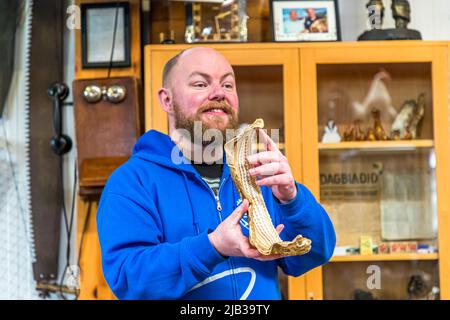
(305, 21)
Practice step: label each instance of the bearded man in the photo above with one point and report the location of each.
(171, 229)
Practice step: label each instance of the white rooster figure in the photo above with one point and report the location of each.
(378, 97)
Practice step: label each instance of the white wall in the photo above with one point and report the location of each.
(16, 277)
(430, 17)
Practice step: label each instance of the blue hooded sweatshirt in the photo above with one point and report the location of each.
(153, 221)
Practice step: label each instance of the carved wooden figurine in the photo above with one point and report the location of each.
(378, 130)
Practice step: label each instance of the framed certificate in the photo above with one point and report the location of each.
(105, 35)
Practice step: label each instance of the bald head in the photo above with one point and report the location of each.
(196, 53)
(168, 68)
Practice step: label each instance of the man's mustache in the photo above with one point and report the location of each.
(223, 105)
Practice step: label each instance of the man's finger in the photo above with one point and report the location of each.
(237, 214)
(279, 228)
(265, 157)
(267, 141)
(269, 258)
(281, 179)
(250, 252)
(270, 169)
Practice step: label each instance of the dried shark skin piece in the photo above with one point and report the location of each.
(263, 235)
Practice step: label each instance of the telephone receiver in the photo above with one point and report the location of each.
(59, 143)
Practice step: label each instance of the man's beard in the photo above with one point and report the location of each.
(188, 123)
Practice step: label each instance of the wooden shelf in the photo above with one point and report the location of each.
(386, 257)
(378, 145)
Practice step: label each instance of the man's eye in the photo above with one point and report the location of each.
(200, 84)
(228, 86)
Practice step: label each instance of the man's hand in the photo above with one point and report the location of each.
(272, 169)
(229, 240)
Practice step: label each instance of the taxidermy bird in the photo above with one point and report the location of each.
(418, 115)
(406, 122)
(377, 97)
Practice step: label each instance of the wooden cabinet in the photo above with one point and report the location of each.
(297, 88)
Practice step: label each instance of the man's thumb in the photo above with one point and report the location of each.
(239, 211)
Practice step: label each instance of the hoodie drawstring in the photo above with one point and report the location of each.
(194, 217)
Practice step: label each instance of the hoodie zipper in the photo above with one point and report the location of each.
(217, 198)
(219, 211)
(219, 206)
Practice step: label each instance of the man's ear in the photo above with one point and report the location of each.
(165, 97)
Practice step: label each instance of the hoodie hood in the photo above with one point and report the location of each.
(159, 148)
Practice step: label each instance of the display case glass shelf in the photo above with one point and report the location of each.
(403, 145)
(386, 257)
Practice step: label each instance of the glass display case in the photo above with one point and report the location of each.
(377, 164)
(207, 21)
(216, 22)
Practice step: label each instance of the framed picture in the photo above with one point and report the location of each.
(305, 20)
(105, 35)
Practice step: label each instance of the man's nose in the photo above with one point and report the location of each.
(217, 93)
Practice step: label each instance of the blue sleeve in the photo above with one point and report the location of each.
(137, 264)
(304, 215)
